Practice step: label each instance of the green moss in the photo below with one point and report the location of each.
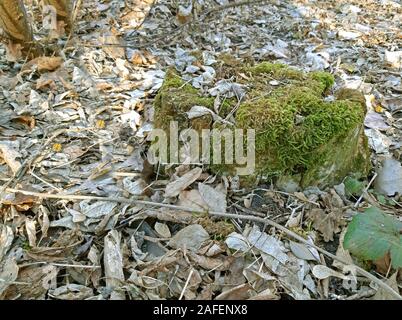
(177, 97)
(324, 78)
(351, 95)
(276, 70)
(172, 80)
(218, 229)
(297, 132)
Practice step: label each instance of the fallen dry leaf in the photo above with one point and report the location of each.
(174, 188)
(327, 223)
(43, 64)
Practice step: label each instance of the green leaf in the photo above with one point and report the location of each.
(353, 186)
(371, 235)
(381, 199)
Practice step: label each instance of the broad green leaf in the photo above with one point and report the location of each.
(373, 234)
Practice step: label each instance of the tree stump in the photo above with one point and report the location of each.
(14, 22)
(64, 9)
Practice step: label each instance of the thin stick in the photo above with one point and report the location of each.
(216, 214)
(186, 284)
(365, 190)
(63, 265)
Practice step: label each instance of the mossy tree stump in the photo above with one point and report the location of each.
(298, 133)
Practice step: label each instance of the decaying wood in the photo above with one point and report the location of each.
(64, 10)
(17, 29)
(14, 22)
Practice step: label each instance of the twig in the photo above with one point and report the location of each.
(216, 214)
(15, 282)
(363, 294)
(260, 214)
(365, 191)
(63, 265)
(186, 284)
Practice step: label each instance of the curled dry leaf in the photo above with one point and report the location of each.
(323, 272)
(219, 263)
(33, 282)
(162, 229)
(113, 261)
(383, 294)
(342, 253)
(191, 238)
(71, 292)
(174, 188)
(8, 274)
(9, 155)
(192, 199)
(327, 223)
(30, 227)
(6, 239)
(215, 199)
(43, 64)
(389, 179)
(267, 244)
(167, 215)
(301, 251)
(20, 201)
(241, 292)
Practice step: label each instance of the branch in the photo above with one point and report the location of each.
(267, 221)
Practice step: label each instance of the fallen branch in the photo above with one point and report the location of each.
(266, 221)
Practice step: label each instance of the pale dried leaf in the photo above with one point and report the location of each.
(174, 188)
(216, 200)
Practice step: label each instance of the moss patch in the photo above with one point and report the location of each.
(174, 99)
(298, 133)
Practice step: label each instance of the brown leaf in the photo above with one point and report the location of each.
(43, 64)
(327, 223)
(112, 46)
(14, 52)
(174, 188)
(20, 201)
(43, 83)
(222, 263)
(9, 156)
(27, 121)
(383, 264)
(33, 282)
(240, 292)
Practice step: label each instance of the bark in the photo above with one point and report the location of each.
(13, 20)
(64, 10)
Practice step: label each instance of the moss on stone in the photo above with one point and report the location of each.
(324, 78)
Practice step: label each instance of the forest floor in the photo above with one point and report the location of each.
(84, 217)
